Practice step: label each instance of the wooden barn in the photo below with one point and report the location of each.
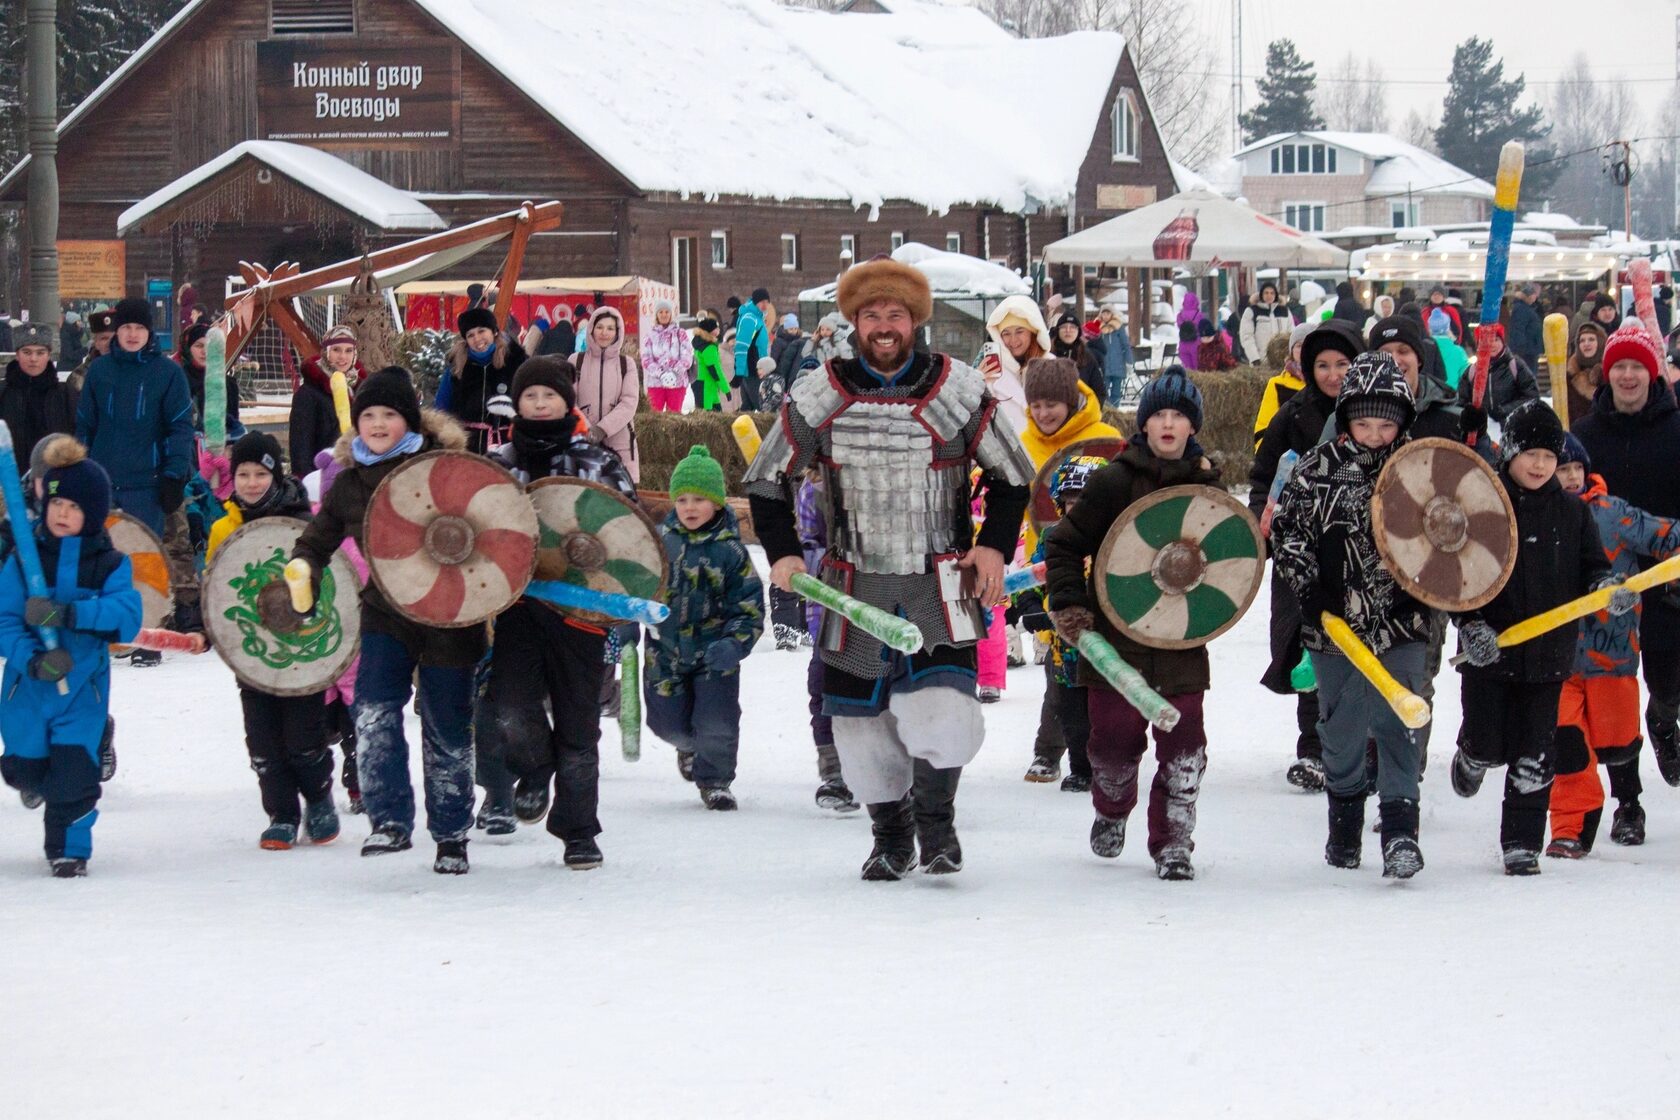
(720, 146)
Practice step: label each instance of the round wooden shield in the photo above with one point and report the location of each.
(593, 536)
(1041, 511)
(450, 538)
(248, 612)
(1444, 525)
(144, 550)
(1179, 567)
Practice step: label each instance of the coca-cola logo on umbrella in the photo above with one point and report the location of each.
(1176, 241)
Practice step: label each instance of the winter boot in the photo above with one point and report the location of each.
(787, 637)
(894, 854)
(1402, 858)
(1467, 774)
(834, 796)
(1565, 847)
(1663, 722)
(278, 838)
(1076, 783)
(583, 854)
(1589, 830)
(530, 799)
(1043, 769)
(989, 694)
(31, 799)
(1307, 774)
(685, 765)
(1522, 861)
(321, 818)
(1627, 827)
(386, 839)
(145, 659)
(496, 820)
(1013, 656)
(1108, 837)
(1347, 831)
(1174, 866)
(65, 868)
(108, 751)
(451, 857)
(718, 798)
(935, 795)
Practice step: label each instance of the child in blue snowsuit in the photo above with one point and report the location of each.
(52, 738)
(717, 613)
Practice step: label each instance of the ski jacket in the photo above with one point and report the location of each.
(34, 408)
(714, 595)
(708, 374)
(1087, 423)
(609, 390)
(667, 357)
(1260, 323)
(551, 448)
(135, 417)
(1509, 383)
(1523, 334)
(1609, 644)
(285, 499)
(752, 341)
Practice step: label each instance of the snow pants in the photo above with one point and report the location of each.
(1514, 724)
(540, 715)
(1352, 712)
(993, 652)
(286, 737)
(1119, 738)
(52, 752)
(1598, 723)
(383, 686)
(667, 400)
(699, 713)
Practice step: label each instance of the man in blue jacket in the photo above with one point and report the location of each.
(752, 342)
(136, 418)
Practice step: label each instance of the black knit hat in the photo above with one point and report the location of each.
(131, 310)
(71, 475)
(1574, 451)
(1407, 330)
(391, 388)
(760, 295)
(476, 317)
(256, 447)
(198, 330)
(1374, 389)
(545, 369)
(1173, 389)
(1337, 335)
(1531, 426)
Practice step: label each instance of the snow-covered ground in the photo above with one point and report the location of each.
(735, 965)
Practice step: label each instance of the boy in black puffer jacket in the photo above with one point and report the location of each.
(1325, 551)
(1511, 695)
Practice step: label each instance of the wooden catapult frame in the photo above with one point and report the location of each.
(272, 290)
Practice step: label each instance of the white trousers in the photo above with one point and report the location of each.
(941, 725)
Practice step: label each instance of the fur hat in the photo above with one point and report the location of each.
(1632, 340)
(545, 369)
(1173, 389)
(474, 317)
(100, 321)
(339, 335)
(1532, 426)
(32, 334)
(131, 310)
(884, 278)
(391, 388)
(698, 473)
(1374, 389)
(73, 476)
(1052, 379)
(259, 448)
(1574, 451)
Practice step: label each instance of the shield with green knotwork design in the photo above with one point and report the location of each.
(250, 622)
(592, 536)
(1179, 567)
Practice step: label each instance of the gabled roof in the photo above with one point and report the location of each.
(333, 179)
(1401, 168)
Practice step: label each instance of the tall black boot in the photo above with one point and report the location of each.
(1402, 858)
(894, 854)
(1347, 831)
(935, 794)
(1661, 719)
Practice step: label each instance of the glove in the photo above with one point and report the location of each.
(723, 656)
(1472, 422)
(171, 491)
(1072, 622)
(50, 665)
(40, 611)
(501, 405)
(1480, 642)
(1622, 600)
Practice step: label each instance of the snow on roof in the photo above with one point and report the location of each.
(949, 275)
(926, 103)
(339, 182)
(1189, 180)
(1401, 168)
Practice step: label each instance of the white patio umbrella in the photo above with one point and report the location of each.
(1198, 230)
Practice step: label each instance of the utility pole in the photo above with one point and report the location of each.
(1236, 75)
(42, 24)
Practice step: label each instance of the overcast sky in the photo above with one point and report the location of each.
(1413, 42)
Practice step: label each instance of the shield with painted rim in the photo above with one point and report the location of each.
(1444, 525)
(1041, 510)
(593, 536)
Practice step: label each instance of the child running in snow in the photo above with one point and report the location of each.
(52, 737)
(1598, 714)
(1326, 553)
(540, 656)
(717, 613)
(286, 736)
(391, 429)
(1162, 454)
(1511, 696)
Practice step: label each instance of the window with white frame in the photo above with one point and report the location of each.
(1303, 159)
(848, 247)
(897, 239)
(1124, 126)
(1305, 216)
(953, 242)
(1402, 214)
(720, 248)
(790, 251)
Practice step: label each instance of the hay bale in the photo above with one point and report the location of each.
(665, 437)
(1230, 398)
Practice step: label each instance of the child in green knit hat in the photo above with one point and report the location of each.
(693, 694)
